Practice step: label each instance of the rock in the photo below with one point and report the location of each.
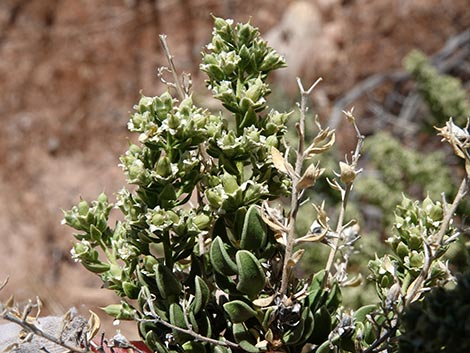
(71, 332)
(309, 45)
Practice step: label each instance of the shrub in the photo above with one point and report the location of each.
(205, 256)
(444, 94)
(439, 323)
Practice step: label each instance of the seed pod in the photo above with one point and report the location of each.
(163, 105)
(251, 279)
(347, 173)
(402, 250)
(168, 286)
(229, 183)
(254, 233)
(220, 259)
(120, 311)
(112, 309)
(163, 167)
(436, 212)
(239, 311)
(83, 208)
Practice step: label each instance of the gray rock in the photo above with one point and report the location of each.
(71, 332)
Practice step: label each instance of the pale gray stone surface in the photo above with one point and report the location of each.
(70, 332)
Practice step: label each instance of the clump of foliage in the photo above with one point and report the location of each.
(396, 169)
(444, 94)
(438, 323)
(205, 256)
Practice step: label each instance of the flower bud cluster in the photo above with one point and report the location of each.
(412, 243)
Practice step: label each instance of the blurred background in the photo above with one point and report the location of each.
(71, 70)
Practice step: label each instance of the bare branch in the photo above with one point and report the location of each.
(179, 87)
(296, 194)
(32, 328)
(157, 319)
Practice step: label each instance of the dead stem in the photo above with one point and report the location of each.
(178, 86)
(30, 327)
(344, 200)
(295, 196)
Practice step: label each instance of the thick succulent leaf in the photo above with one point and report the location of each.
(254, 233)
(361, 313)
(168, 286)
(322, 327)
(239, 311)
(220, 258)
(244, 338)
(251, 279)
(202, 294)
(177, 319)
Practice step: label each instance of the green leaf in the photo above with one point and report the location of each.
(334, 298)
(168, 286)
(221, 349)
(360, 314)
(202, 294)
(220, 259)
(254, 233)
(193, 347)
(239, 311)
(96, 267)
(95, 233)
(309, 325)
(153, 342)
(130, 290)
(227, 284)
(238, 223)
(322, 327)
(177, 319)
(244, 338)
(324, 348)
(220, 230)
(251, 279)
(293, 335)
(248, 347)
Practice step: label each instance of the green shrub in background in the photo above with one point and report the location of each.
(444, 94)
(439, 323)
(205, 257)
(394, 169)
